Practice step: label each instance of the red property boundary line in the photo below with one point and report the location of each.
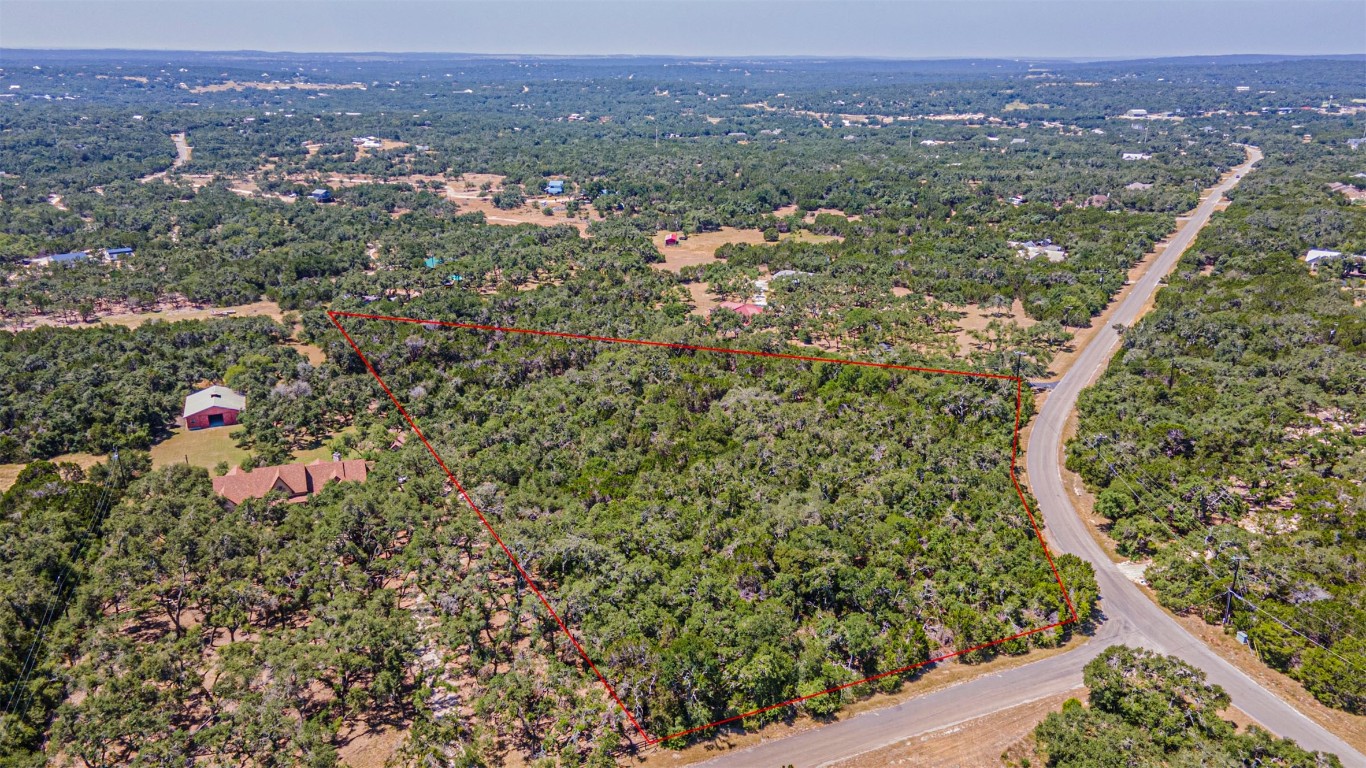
(650, 740)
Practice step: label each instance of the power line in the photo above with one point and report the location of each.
(1154, 488)
(18, 694)
(1314, 642)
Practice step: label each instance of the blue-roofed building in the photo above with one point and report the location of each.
(68, 258)
(115, 253)
(321, 195)
(432, 262)
(555, 187)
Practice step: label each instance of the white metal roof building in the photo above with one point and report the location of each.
(213, 397)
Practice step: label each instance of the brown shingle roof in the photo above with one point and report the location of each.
(297, 481)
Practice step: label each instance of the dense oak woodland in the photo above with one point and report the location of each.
(1152, 710)
(100, 389)
(721, 533)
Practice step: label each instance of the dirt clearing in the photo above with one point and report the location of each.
(701, 248)
(978, 317)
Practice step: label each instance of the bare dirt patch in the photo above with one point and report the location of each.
(977, 318)
(171, 309)
(384, 144)
(314, 355)
(811, 215)
(370, 746)
(527, 214)
(703, 302)
(256, 309)
(183, 151)
(701, 248)
(468, 184)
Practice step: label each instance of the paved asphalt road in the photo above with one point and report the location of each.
(1130, 617)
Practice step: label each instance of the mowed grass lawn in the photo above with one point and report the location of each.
(206, 447)
(200, 448)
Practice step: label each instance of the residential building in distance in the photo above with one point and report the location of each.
(1031, 249)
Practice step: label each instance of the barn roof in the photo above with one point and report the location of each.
(213, 397)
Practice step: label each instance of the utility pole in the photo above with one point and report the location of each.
(1228, 604)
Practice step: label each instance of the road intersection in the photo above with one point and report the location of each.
(1129, 616)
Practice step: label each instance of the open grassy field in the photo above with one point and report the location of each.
(10, 472)
(701, 248)
(201, 448)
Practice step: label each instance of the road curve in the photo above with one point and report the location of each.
(1068, 532)
(1129, 616)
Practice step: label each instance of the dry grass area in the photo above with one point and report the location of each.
(10, 472)
(703, 302)
(810, 216)
(365, 746)
(468, 184)
(384, 144)
(314, 355)
(978, 742)
(701, 248)
(207, 447)
(527, 214)
(170, 310)
(200, 448)
(977, 318)
(947, 674)
(134, 319)
(274, 85)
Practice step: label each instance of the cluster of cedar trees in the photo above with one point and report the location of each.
(1146, 709)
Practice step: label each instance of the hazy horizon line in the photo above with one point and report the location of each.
(759, 57)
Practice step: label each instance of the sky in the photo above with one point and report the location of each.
(827, 28)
